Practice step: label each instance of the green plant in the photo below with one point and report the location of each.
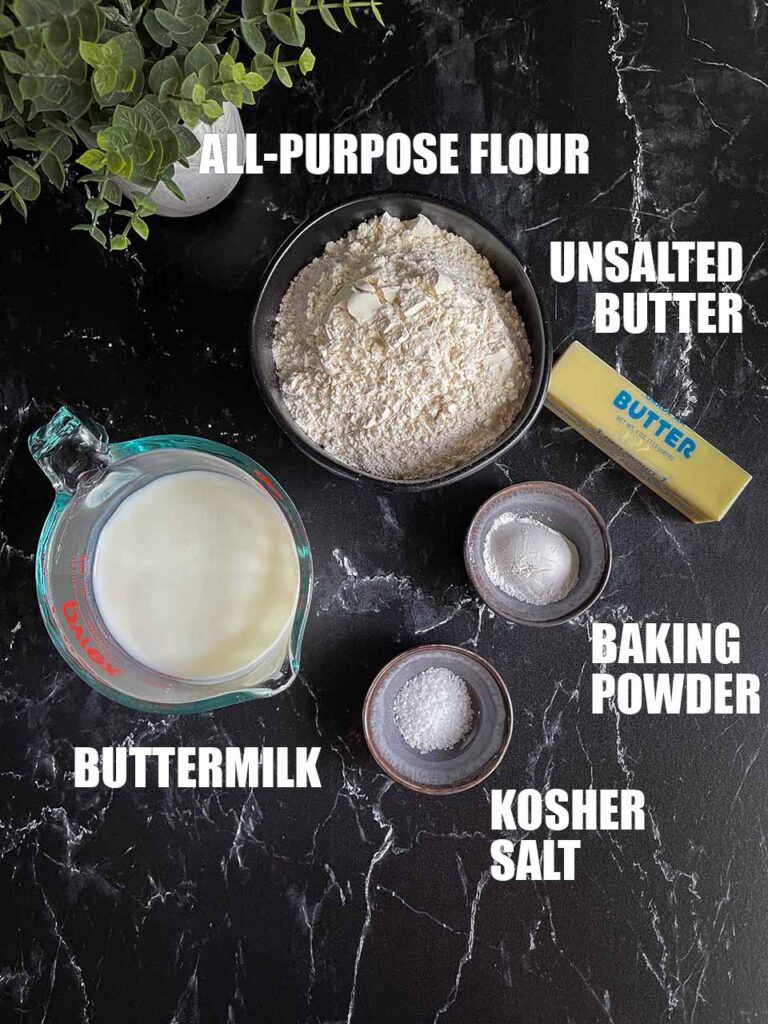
(117, 89)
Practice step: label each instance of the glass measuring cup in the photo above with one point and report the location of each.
(91, 478)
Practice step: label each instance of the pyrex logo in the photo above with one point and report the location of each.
(646, 417)
(69, 609)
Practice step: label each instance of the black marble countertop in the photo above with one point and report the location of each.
(363, 902)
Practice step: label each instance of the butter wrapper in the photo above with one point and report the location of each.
(649, 442)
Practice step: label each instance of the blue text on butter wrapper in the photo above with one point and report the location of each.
(671, 435)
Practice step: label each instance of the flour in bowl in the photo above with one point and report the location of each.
(398, 351)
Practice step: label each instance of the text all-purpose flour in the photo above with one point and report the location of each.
(398, 351)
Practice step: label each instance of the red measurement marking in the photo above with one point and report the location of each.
(268, 484)
(69, 610)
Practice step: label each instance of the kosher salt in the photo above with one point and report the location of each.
(433, 710)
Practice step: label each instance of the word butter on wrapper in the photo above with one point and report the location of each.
(652, 444)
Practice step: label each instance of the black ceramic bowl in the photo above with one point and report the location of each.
(310, 239)
(566, 511)
(440, 772)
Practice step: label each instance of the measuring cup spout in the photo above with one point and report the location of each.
(68, 451)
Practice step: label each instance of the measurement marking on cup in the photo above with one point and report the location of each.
(69, 610)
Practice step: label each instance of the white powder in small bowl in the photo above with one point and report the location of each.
(433, 710)
(529, 560)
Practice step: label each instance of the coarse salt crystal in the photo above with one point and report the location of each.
(433, 710)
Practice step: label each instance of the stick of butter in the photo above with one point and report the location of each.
(645, 439)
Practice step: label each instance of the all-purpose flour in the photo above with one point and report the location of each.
(398, 351)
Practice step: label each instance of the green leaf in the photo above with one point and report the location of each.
(6, 26)
(96, 207)
(254, 81)
(140, 227)
(119, 243)
(232, 92)
(62, 36)
(171, 23)
(377, 13)
(213, 110)
(297, 24)
(92, 53)
(327, 16)
(172, 187)
(18, 204)
(13, 62)
(116, 164)
(53, 169)
(198, 94)
(284, 29)
(28, 13)
(167, 70)
(96, 233)
(167, 89)
(143, 148)
(189, 113)
(145, 206)
(253, 9)
(29, 86)
(112, 14)
(156, 31)
(184, 31)
(19, 141)
(306, 61)
(253, 36)
(104, 81)
(184, 9)
(199, 57)
(348, 13)
(120, 69)
(187, 86)
(283, 76)
(56, 141)
(187, 142)
(24, 178)
(14, 92)
(227, 68)
(111, 192)
(130, 49)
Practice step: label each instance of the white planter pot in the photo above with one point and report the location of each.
(202, 191)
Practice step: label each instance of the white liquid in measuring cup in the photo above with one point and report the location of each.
(196, 575)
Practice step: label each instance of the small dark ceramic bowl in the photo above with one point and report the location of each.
(442, 771)
(563, 510)
(308, 242)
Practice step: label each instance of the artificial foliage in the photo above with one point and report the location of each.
(116, 89)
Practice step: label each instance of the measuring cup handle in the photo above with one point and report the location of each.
(68, 451)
